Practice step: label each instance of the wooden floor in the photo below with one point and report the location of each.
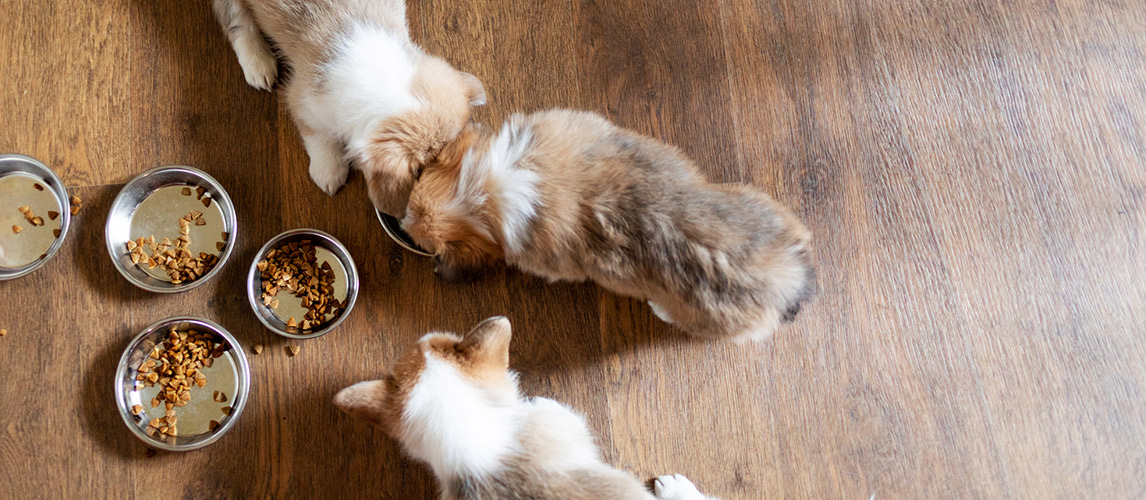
(974, 173)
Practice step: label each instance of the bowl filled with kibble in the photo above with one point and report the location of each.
(171, 229)
(182, 383)
(35, 214)
(302, 284)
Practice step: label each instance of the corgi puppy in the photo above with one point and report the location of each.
(566, 195)
(359, 89)
(452, 403)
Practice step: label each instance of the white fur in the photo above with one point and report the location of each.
(561, 436)
(455, 427)
(328, 168)
(660, 312)
(366, 82)
(260, 68)
(497, 172)
(676, 487)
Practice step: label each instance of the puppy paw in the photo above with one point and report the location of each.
(660, 312)
(260, 67)
(329, 175)
(327, 167)
(676, 487)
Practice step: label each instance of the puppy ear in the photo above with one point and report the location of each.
(475, 91)
(390, 171)
(488, 343)
(364, 401)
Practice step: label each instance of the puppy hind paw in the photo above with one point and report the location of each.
(660, 312)
(676, 487)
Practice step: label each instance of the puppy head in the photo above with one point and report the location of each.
(393, 153)
(449, 214)
(437, 386)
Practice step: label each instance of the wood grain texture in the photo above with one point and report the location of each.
(974, 173)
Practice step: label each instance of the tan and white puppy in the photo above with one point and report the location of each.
(452, 403)
(359, 89)
(567, 195)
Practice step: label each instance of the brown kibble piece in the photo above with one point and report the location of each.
(16, 229)
(219, 245)
(199, 192)
(200, 222)
(24, 210)
(75, 209)
(291, 323)
(56, 232)
(292, 350)
(76, 200)
(3, 332)
(186, 191)
(206, 202)
(38, 186)
(154, 402)
(212, 425)
(226, 410)
(37, 221)
(220, 397)
(53, 214)
(257, 349)
(136, 409)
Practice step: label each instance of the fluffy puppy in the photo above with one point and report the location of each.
(567, 195)
(359, 90)
(453, 403)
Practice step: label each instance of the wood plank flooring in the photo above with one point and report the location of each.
(974, 173)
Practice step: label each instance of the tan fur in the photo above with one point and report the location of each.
(550, 458)
(635, 216)
(306, 33)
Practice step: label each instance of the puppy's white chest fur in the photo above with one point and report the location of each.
(455, 427)
(366, 81)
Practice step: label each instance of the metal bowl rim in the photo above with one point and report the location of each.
(65, 218)
(402, 243)
(339, 250)
(227, 249)
(236, 410)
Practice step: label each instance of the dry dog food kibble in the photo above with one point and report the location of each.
(176, 366)
(174, 257)
(293, 267)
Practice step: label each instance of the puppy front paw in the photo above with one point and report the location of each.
(260, 68)
(329, 174)
(676, 487)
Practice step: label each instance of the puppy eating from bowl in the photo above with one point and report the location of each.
(360, 90)
(567, 195)
(452, 403)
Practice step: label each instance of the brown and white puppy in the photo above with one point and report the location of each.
(567, 195)
(452, 403)
(359, 89)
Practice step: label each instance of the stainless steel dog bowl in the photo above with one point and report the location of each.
(345, 285)
(151, 204)
(230, 374)
(28, 250)
(393, 228)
